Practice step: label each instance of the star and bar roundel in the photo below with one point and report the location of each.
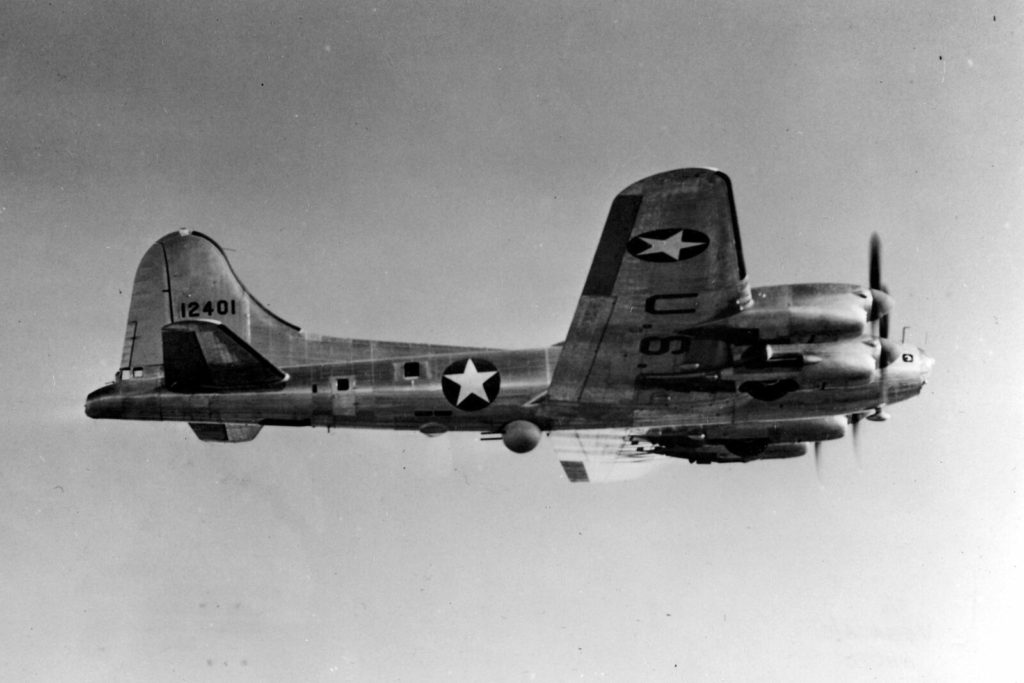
(668, 244)
(471, 384)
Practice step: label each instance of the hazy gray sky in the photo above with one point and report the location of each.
(441, 173)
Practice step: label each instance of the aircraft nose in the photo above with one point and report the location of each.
(926, 364)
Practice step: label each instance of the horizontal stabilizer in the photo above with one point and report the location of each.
(206, 356)
(225, 431)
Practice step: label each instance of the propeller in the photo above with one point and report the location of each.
(880, 308)
(881, 302)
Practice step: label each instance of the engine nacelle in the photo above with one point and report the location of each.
(791, 313)
(781, 431)
(855, 365)
(777, 451)
(520, 436)
(850, 362)
(737, 451)
(756, 435)
(774, 324)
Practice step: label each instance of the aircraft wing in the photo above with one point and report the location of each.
(603, 455)
(669, 259)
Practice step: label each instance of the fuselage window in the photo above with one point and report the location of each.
(411, 370)
(343, 384)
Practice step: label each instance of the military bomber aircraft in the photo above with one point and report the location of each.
(670, 354)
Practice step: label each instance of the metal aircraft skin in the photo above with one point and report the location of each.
(670, 354)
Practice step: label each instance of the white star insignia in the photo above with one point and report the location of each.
(670, 246)
(471, 382)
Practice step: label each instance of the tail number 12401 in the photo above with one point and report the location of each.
(198, 309)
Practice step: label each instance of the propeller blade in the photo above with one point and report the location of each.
(875, 282)
(817, 461)
(884, 358)
(875, 274)
(883, 320)
(883, 363)
(886, 355)
(880, 325)
(855, 435)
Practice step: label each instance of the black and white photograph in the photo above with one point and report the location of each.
(511, 341)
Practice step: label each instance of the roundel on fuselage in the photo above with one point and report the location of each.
(668, 245)
(471, 384)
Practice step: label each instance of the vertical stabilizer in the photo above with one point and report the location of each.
(186, 276)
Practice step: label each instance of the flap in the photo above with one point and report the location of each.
(603, 455)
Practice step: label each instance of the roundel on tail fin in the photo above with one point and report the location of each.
(668, 245)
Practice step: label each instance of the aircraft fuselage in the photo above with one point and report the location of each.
(409, 393)
(670, 353)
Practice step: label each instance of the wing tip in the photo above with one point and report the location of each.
(676, 176)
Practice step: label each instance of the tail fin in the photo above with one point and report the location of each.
(186, 276)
